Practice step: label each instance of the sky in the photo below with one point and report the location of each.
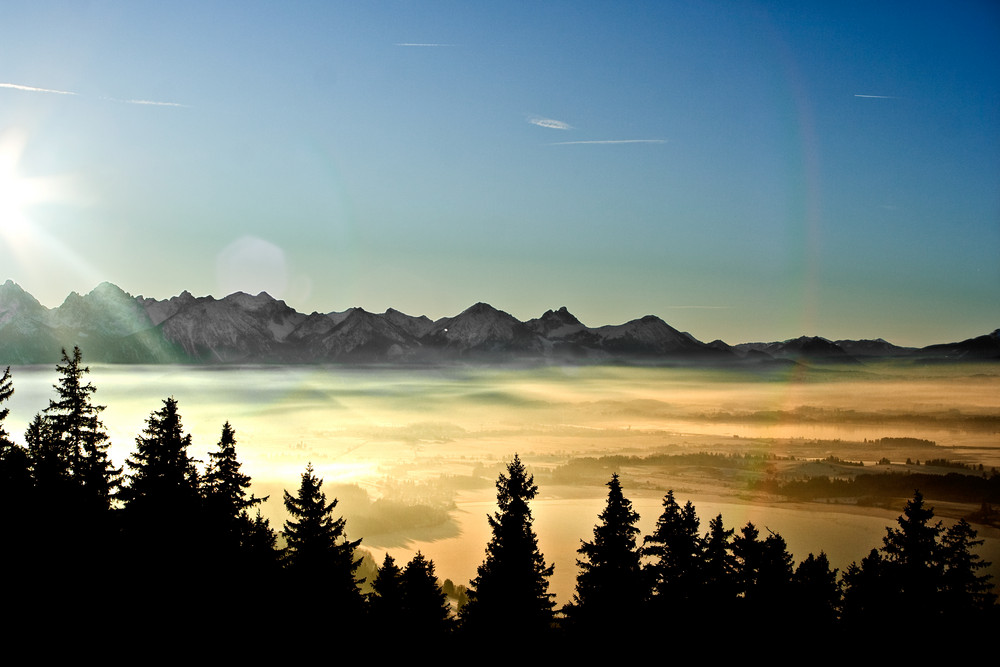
(750, 171)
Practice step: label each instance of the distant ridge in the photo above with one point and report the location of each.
(113, 326)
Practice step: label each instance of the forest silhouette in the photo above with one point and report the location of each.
(165, 546)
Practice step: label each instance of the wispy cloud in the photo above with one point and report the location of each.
(35, 89)
(878, 97)
(419, 44)
(550, 123)
(611, 141)
(32, 89)
(151, 103)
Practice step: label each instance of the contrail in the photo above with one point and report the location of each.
(419, 44)
(149, 103)
(32, 89)
(35, 89)
(880, 97)
(611, 141)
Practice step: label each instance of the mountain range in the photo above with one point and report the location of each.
(110, 325)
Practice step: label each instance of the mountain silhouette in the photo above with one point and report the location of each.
(114, 326)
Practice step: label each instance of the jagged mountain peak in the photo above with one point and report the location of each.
(250, 301)
(561, 315)
(482, 308)
(106, 289)
(12, 293)
(16, 305)
(556, 323)
(415, 326)
(242, 327)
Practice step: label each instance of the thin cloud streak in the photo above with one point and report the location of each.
(879, 97)
(419, 44)
(550, 123)
(32, 89)
(696, 307)
(611, 141)
(151, 103)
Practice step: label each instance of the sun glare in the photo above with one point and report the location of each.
(17, 193)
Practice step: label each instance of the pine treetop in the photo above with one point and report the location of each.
(162, 472)
(511, 585)
(317, 542)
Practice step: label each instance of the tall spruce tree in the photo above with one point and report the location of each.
(243, 547)
(50, 471)
(6, 391)
(319, 557)
(867, 593)
(510, 591)
(79, 434)
(676, 551)
(162, 514)
(225, 487)
(966, 590)
(15, 475)
(385, 603)
(719, 566)
(610, 586)
(16, 505)
(426, 611)
(817, 592)
(922, 569)
(162, 476)
(913, 559)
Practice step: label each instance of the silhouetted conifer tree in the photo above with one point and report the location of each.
(245, 547)
(386, 599)
(912, 557)
(17, 509)
(225, 488)
(260, 547)
(747, 555)
(426, 612)
(763, 575)
(719, 567)
(15, 472)
(869, 595)
(921, 572)
(74, 422)
(817, 592)
(510, 592)
(163, 483)
(6, 391)
(774, 578)
(675, 570)
(319, 557)
(162, 518)
(966, 590)
(49, 467)
(610, 586)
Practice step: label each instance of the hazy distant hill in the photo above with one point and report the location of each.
(111, 325)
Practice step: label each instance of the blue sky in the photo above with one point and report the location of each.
(747, 171)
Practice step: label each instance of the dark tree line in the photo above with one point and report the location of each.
(691, 582)
(169, 541)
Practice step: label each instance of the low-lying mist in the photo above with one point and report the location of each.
(412, 455)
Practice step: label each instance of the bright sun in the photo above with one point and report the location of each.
(18, 193)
